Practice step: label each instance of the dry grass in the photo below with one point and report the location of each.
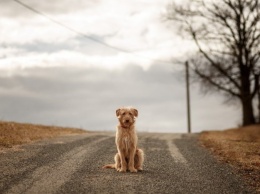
(12, 133)
(239, 147)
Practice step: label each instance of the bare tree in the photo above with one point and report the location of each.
(227, 35)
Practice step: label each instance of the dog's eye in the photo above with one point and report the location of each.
(130, 113)
(123, 113)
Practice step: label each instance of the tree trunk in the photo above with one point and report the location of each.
(248, 112)
(246, 98)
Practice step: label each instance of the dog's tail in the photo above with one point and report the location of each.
(109, 166)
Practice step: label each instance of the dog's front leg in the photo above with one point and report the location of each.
(123, 161)
(131, 161)
(117, 162)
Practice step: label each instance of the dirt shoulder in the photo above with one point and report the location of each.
(12, 133)
(240, 147)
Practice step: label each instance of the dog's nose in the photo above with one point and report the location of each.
(127, 121)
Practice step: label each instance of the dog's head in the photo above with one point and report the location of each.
(126, 116)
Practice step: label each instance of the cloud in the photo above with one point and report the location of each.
(51, 7)
(53, 75)
(88, 98)
(136, 27)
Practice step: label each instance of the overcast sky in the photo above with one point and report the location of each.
(54, 71)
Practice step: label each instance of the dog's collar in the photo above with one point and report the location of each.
(124, 127)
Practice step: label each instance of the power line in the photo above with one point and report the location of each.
(84, 35)
(67, 27)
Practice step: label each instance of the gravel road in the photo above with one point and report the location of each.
(174, 163)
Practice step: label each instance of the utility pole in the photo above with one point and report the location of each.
(258, 92)
(188, 96)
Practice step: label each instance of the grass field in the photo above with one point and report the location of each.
(12, 133)
(240, 148)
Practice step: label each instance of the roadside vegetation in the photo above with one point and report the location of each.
(240, 147)
(12, 133)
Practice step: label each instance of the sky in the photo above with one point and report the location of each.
(75, 62)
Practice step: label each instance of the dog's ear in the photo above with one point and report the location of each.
(118, 112)
(135, 112)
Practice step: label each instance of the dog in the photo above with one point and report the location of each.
(128, 156)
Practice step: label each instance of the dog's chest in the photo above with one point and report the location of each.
(126, 141)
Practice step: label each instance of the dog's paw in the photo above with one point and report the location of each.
(122, 170)
(133, 170)
(139, 169)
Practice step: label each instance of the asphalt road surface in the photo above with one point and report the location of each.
(174, 163)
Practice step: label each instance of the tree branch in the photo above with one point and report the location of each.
(212, 61)
(218, 86)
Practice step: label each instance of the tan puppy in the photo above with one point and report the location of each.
(128, 156)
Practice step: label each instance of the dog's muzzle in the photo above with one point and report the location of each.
(127, 123)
